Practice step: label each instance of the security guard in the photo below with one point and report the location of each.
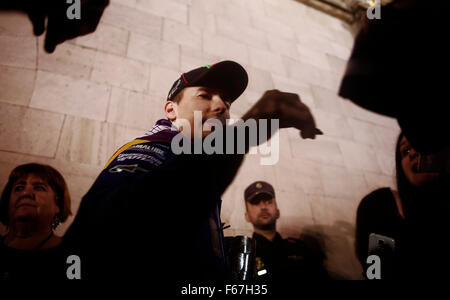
(276, 259)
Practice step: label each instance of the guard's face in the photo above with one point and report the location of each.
(212, 104)
(262, 212)
(410, 160)
(32, 199)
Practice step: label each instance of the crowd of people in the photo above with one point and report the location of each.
(152, 211)
(155, 212)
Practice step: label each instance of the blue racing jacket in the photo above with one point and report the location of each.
(149, 195)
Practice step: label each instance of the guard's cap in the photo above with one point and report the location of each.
(258, 188)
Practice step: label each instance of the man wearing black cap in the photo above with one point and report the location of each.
(276, 259)
(151, 211)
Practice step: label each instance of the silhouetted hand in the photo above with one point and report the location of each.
(60, 27)
(288, 108)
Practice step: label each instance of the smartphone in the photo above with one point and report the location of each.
(381, 244)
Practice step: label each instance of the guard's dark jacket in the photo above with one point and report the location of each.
(287, 261)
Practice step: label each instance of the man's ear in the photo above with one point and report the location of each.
(170, 109)
(277, 214)
(247, 218)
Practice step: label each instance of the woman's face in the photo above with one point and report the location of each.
(410, 161)
(32, 199)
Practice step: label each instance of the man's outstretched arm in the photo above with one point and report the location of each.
(274, 104)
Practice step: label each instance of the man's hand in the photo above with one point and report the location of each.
(288, 108)
(59, 26)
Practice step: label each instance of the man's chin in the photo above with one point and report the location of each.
(266, 226)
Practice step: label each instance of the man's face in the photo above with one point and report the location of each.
(32, 199)
(262, 212)
(410, 161)
(212, 104)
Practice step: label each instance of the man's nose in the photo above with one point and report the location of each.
(218, 104)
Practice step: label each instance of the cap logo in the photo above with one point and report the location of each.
(259, 185)
(210, 66)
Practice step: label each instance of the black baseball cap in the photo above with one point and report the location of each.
(227, 75)
(258, 188)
